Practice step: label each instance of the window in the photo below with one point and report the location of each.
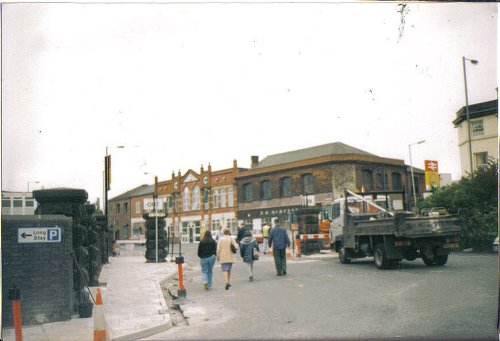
(216, 198)
(137, 207)
(481, 159)
(185, 199)
(18, 202)
(215, 224)
(170, 200)
(230, 198)
(117, 208)
(247, 192)
(285, 187)
(396, 181)
(223, 200)
(381, 181)
(196, 198)
(477, 128)
(30, 203)
(417, 185)
(5, 202)
(307, 184)
(125, 207)
(232, 225)
(206, 195)
(367, 180)
(265, 190)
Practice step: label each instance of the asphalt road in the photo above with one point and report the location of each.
(323, 299)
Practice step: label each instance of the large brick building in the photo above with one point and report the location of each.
(279, 184)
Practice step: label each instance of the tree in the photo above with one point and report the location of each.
(478, 194)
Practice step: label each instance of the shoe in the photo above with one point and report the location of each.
(284, 273)
(227, 286)
(279, 274)
(205, 285)
(250, 278)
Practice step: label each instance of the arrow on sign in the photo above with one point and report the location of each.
(24, 235)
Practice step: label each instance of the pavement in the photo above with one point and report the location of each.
(134, 304)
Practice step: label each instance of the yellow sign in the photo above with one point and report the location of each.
(431, 174)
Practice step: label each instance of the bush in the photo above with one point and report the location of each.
(478, 194)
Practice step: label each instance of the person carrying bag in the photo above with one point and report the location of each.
(249, 251)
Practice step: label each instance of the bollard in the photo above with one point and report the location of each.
(15, 296)
(181, 292)
(297, 242)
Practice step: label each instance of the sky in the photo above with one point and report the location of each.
(182, 85)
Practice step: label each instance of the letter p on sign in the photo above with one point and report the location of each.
(53, 235)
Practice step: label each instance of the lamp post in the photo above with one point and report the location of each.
(107, 177)
(474, 62)
(411, 169)
(32, 182)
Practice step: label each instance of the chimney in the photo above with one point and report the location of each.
(235, 164)
(255, 161)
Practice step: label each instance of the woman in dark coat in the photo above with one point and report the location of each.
(206, 251)
(247, 245)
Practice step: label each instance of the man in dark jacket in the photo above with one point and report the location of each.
(241, 233)
(279, 241)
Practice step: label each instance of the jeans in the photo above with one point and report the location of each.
(249, 268)
(265, 245)
(280, 260)
(207, 265)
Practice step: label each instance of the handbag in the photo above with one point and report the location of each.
(233, 248)
(255, 254)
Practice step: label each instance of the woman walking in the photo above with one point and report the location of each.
(225, 256)
(247, 246)
(206, 251)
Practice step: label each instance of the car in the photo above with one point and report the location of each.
(495, 245)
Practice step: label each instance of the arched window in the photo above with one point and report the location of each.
(186, 200)
(247, 192)
(396, 181)
(285, 187)
(307, 184)
(265, 190)
(196, 198)
(367, 180)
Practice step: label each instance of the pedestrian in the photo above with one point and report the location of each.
(265, 238)
(279, 241)
(226, 248)
(241, 232)
(206, 251)
(247, 246)
(219, 234)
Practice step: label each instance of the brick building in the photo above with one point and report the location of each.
(279, 184)
(194, 201)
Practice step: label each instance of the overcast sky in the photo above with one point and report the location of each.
(183, 85)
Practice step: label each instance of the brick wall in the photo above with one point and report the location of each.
(42, 271)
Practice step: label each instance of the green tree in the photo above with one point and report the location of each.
(478, 194)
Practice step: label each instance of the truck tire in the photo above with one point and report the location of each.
(428, 261)
(379, 255)
(440, 260)
(343, 256)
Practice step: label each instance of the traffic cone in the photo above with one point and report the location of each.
(99, 323)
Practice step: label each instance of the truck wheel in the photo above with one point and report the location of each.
(441, 260)
(428, 261)
(380, 257)
(343, 256)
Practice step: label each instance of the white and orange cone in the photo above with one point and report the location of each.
(99, 323)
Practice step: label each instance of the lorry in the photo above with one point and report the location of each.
(363, 227)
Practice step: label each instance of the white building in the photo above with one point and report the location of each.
(18, 203)
(483, 119)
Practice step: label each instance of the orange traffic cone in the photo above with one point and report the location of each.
(99, 323)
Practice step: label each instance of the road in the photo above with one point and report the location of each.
(323, 299)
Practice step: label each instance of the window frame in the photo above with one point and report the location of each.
(285, 187)
(477, 127)
(265, 190)
(247, 192)
(307, 186)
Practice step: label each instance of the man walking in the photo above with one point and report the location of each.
(265, 237)
(279, 241)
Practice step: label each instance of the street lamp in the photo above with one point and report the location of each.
(411, 169)
(474, 62)
(32, 182)
(107, 176)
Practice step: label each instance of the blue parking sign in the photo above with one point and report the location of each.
(54, 235)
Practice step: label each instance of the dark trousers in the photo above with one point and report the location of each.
(280, 260)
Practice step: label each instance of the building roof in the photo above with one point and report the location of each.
(336, 148)
(477, 110)
(136, 192)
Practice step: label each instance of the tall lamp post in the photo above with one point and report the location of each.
(411, 169)
(32, 182)
(107, 177)
(474, 62)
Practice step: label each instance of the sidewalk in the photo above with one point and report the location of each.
(133, 303)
